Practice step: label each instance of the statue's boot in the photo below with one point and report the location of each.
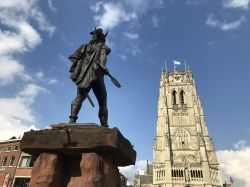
(75, 108)
(103, 116)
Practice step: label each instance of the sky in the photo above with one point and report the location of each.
(212, 36)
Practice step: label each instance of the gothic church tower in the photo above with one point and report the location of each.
(183, 152)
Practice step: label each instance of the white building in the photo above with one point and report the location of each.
(183, 153)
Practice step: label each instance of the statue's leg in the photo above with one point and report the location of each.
(77, 103)
(99, 90)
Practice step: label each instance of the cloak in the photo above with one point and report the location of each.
(84, 70)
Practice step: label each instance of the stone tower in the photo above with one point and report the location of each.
(183, 152)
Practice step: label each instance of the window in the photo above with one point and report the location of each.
(174, 97)
(26, 161)
(8, 148)
(21, 182)
(2, 149)
(182, 97)
(12, 159)
(4, 161)
(16, 148)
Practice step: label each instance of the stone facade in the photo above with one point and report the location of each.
(183, 153)
(145, 180)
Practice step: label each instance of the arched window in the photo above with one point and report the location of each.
(201, 174)
(174, 97)
(16, 148)
(181, 173)
(2, 148)
(8, 148)
(11, 162)
(4, 161)
(192, 173)
(182, 97)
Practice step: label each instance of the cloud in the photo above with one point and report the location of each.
(10, 69)
(52, 81)
(40, 75)
(130, 171)
(142, 6)
(155, 21)
(196, 2)
(111, 14)
(22, 22)
(123, 57)
(232, 163)
(225, 26)
(19, 35)
(242, 4)
(235, 163)
(240, 145)
(16, 115)
(131, 36)
(51, 6)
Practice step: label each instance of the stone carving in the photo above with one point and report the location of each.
(182, 137)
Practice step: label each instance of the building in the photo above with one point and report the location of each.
(16, 166)
(9, 156)
(183, 153)
(145, 180)
(23, 170)
(229, 184)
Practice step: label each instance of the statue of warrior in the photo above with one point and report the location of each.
(87, 71)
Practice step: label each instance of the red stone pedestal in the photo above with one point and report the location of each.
(77, 156)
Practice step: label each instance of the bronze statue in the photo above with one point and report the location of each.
(87, 71)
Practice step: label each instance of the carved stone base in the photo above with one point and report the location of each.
(77, 156)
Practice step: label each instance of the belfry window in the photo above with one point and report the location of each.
(174, 97)
(182, 97)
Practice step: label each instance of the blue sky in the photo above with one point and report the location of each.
(36, 37)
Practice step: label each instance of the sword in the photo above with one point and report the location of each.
(90, 101)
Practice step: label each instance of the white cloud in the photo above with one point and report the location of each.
(240, 145)
(236, 163)
(113, 14)
(130, 171)
(52, 81)
(195, 2)
(242, 4)
(142, 6)
(16, 115)
(51, 6)
(225, 26)
(19, 35)
(134, 49)
(10, 69)
(43, 24)
(123, 57)
(131, 36)
(40, 75)
(155, 21)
